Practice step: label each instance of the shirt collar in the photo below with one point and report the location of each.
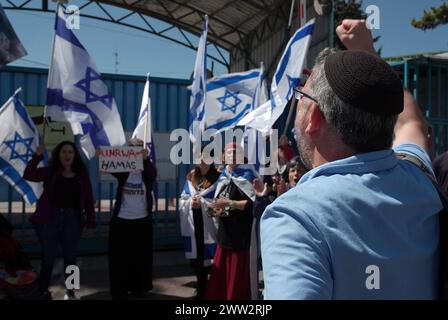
(356, 164)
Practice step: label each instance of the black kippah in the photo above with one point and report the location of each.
(365, 81)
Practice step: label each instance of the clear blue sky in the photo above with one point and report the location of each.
(398, 36)
(140, 52)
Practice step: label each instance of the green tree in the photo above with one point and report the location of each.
(348, 9)
(432, 19)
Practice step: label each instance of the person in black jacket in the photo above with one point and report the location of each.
(130, 233)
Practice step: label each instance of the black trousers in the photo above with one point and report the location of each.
(198, 263)
(130, 256)
(64, 228)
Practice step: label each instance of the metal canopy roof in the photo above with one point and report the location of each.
(230, 21)
(233, 24)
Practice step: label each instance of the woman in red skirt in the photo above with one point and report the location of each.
(230, 276)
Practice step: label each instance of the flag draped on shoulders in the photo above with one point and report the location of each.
(243, 176)
(77, 94)
(187, 222)
(19, 139)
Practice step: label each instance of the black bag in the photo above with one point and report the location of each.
(443, 222)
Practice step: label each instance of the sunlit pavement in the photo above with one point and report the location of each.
(173, 278)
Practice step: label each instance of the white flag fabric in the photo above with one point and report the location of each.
(253, 147)
(77, 94)
(187, 222)
(290, 66)
(260, 119)
(19, 139)
(198, 87)
(286, 77)
(144, 118)
(229, 98)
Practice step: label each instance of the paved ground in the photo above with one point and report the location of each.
(173, 278)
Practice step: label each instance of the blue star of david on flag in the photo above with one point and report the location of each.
(12, 144)
(85, 85)
(228, 106)
(292, 83)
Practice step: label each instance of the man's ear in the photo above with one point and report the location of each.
(315, 119)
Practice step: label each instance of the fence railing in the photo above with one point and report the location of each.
(166, 229)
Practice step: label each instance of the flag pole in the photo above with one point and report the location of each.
(293, 101)
(44, 123)
(288, 119)
(291, 12)
(18, 90)
(145, 138)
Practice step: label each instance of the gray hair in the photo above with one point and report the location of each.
(364, 132)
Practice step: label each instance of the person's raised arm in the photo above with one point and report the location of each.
(32, 172)
(411, 125)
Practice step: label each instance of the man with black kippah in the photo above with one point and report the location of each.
(361, 224)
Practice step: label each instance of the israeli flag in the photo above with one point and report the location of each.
(77, 94)
(19, 139)
(144, 119)
(286, 77)
(198, 89)
(290, 67)
(229, 98)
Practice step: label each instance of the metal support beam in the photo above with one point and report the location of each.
(181, 40)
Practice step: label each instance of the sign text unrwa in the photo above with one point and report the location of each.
(120, 159)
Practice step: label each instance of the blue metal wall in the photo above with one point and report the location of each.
(427, 79)
(169, 96)
(170, 103)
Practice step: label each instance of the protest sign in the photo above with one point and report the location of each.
(120, 159)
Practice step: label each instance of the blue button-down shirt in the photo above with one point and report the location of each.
(364, 227)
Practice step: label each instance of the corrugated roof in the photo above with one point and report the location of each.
(230, 21)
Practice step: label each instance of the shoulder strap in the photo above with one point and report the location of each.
(417, 162)
(443, 220)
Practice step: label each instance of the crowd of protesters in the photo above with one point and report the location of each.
(352, 197)
(220, 216)
(361, 196)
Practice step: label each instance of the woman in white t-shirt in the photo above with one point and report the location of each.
(130, 233)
